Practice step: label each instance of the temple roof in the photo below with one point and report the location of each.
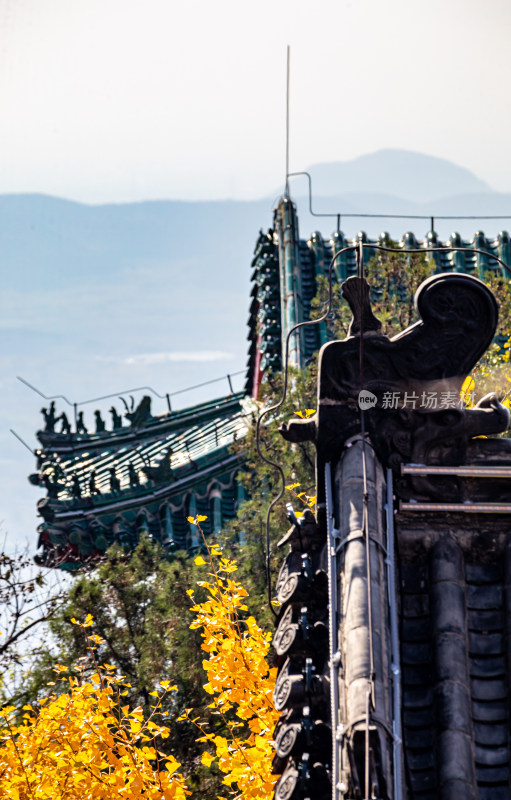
(190, 432)
(100, 484)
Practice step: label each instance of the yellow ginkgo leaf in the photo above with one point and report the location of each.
(167, 687)
(199, 561)
(197, 519)
(468, 384)
(306, 414)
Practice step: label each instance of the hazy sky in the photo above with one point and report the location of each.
(116, 100)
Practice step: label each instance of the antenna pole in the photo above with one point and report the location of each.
(287, 119)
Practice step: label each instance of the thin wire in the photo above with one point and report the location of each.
(278, 405)
(18, 437)
(45, 396)
(337, 752)
(389, 216)
(429, 216)
(206, 383)
(366, 744)
(370, 700)
(127, 391)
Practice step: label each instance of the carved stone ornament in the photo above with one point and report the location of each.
(407, 388)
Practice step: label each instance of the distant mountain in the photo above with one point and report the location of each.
(48, 242)
(401, 173)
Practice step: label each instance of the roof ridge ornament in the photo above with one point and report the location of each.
(415, 378)
(355, 291)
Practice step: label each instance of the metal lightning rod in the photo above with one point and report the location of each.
(288, 71)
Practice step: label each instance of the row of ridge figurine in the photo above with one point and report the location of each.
(137, 417)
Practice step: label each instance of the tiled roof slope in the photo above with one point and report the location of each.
(147, 476)
(455, 657)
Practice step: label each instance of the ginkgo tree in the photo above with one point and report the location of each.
(240, 680)
(86, 744)
(141, 612)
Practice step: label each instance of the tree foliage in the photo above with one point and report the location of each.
(86, 740)
(86, 743)
(240, 681)
(141, 613)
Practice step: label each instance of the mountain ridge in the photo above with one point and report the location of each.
(415, 176)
